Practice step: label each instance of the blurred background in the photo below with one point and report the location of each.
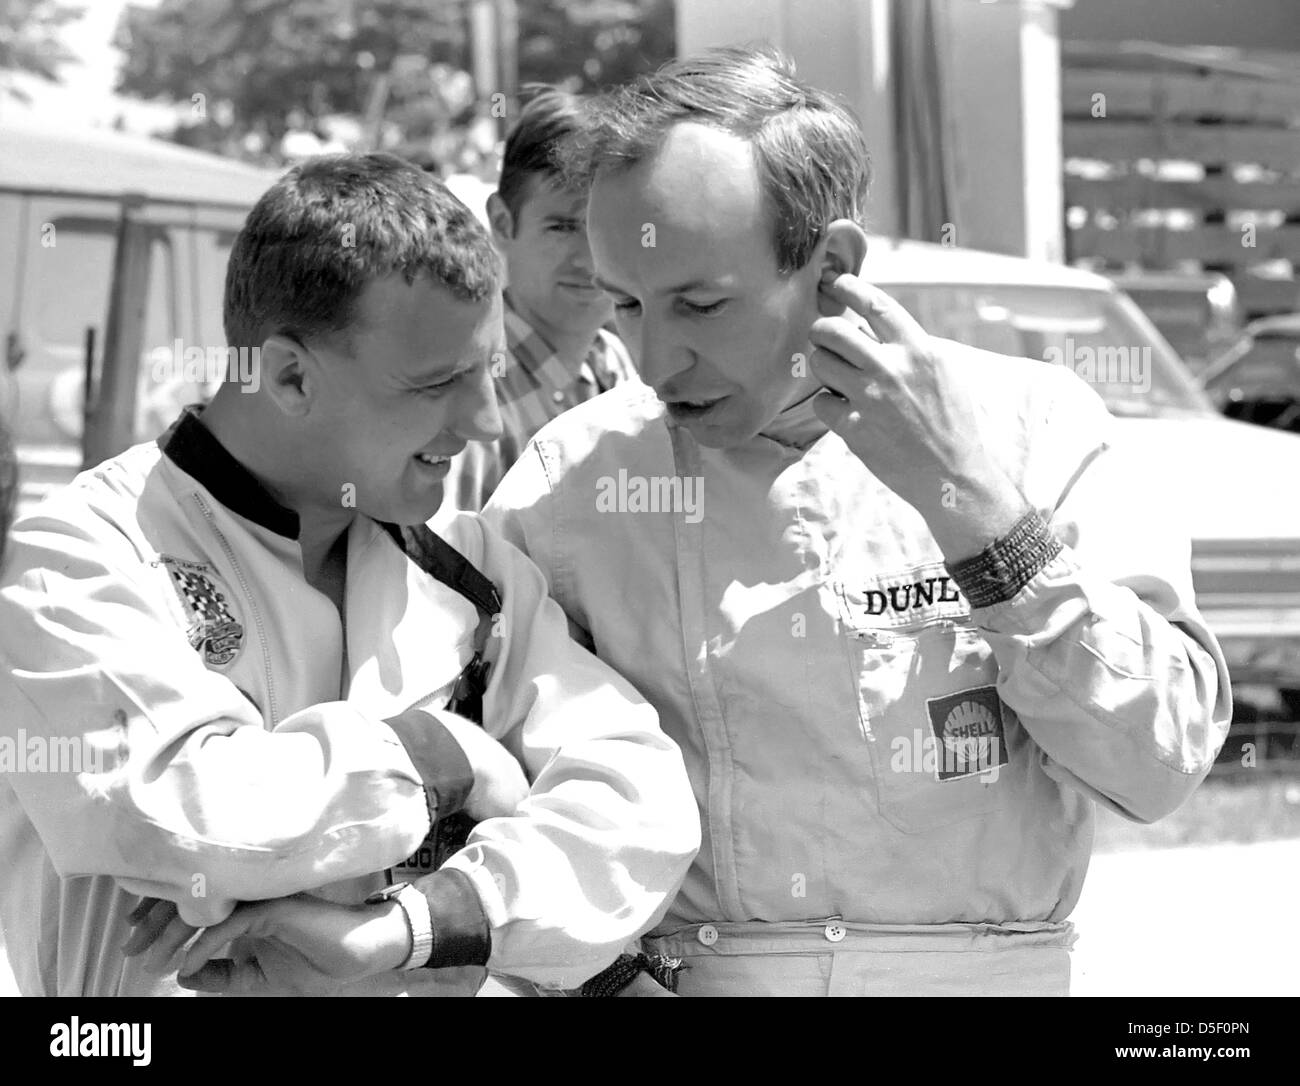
(1104, 184)
(270, 81)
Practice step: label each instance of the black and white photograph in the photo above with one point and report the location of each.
(667, 498)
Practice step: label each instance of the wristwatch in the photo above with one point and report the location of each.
(416, 907)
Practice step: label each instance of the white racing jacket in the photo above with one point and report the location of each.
(862, 744)
(155, 624)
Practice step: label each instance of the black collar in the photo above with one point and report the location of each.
(192, 447)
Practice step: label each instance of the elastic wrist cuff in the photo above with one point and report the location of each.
(461, 935)
(1006, 565)
(439, 759)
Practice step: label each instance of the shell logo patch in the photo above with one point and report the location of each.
(969, 732)
(213, 629)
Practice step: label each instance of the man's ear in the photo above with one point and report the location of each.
(503, 223)
(290, 374)
(842, 250)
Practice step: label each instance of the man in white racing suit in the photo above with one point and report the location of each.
(906, 614)
(225, 681)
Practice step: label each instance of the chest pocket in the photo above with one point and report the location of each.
(940, 740)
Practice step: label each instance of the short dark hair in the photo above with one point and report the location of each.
(333, 224)
(811, 156)
(550, 117)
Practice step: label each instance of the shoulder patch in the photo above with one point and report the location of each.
(213, 627)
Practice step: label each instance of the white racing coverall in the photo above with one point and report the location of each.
(897, 790)
(155, 623)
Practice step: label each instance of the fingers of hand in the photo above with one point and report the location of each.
(857, 384)
(838, 377)
(889, 320)
(165, 953)
(840, 334)
(150, 919)
(835, 411)
(226, 975)
(855, 347)
(260, 967)
(146, 906)
(828, 306)
(245, 919)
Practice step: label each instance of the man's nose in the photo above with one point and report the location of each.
(580, 254)
(476, 416)
(659, 357)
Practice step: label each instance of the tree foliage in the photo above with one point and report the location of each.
(30, 40)
(591, 44)
(260, 67)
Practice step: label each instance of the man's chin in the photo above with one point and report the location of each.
(410, 512)
(716, 437)
(714, 427)
(424, 511)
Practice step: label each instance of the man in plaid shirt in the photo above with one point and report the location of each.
(557, 354)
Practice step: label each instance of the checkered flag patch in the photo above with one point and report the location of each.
(213, 628)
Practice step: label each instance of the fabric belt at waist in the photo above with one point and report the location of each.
(835, 957)
(802, 937)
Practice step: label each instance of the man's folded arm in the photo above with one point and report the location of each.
(186, 794)
(1091, 616)
(595, 853)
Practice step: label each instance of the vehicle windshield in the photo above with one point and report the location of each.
(1099, 334)
(1268, 359)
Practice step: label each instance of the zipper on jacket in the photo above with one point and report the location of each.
(252, 606)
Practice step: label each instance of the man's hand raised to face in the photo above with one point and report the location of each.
(908, 411)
